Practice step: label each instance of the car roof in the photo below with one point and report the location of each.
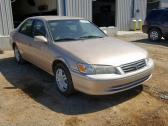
(50, 18)
(164, 9)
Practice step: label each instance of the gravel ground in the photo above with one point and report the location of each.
(28, 96)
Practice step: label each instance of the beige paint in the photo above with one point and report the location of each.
(100, 51)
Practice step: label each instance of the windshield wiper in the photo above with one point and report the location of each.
(91, 36)
(65, 39)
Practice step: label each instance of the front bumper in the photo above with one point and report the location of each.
(111, 83)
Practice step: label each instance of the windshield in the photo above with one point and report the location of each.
(68, 30)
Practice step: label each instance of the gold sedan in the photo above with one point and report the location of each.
(80, 55)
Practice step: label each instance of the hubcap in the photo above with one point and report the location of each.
(61, 80)
(154, 35)
(17, 54)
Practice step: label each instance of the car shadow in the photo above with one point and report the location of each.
(161, 42)
(40, 86)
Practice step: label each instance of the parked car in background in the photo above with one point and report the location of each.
(156, 24)
(80, 55)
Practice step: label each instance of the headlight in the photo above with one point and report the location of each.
(147, 61)
(86, 69)
(96, 69)
(105, 69)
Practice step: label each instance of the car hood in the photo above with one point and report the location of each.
(104, 51)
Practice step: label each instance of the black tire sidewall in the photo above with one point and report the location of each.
(159, 34)
(20, 57)
(70, 89)
(166, 37)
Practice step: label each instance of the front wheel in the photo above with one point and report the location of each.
(63, 80)
(18, 56)
(154, 34)
(166, 37)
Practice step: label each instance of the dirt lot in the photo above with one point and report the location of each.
(28, 96)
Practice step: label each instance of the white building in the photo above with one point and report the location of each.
(164, 3)
(116, 13)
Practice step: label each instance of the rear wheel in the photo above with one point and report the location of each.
(154, 34)
(63, 80)
(166, 37)
(18, 56)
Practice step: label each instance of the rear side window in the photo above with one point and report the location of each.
(155, 15)
(26, 28)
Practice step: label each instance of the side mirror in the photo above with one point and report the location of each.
(105, 31)
(40, 39)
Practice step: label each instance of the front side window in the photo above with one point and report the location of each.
(74, 30)
(39, 28)
(26, 28)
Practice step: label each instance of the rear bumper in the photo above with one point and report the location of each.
(145, 28)
(110, 84)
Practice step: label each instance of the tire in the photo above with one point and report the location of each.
(18, 56)
(166, 37)
(63, 82)
(154, 35)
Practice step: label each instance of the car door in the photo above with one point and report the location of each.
(165, 24)
(24, 38)
(41, 51)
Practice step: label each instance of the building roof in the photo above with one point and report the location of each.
(50, 18)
